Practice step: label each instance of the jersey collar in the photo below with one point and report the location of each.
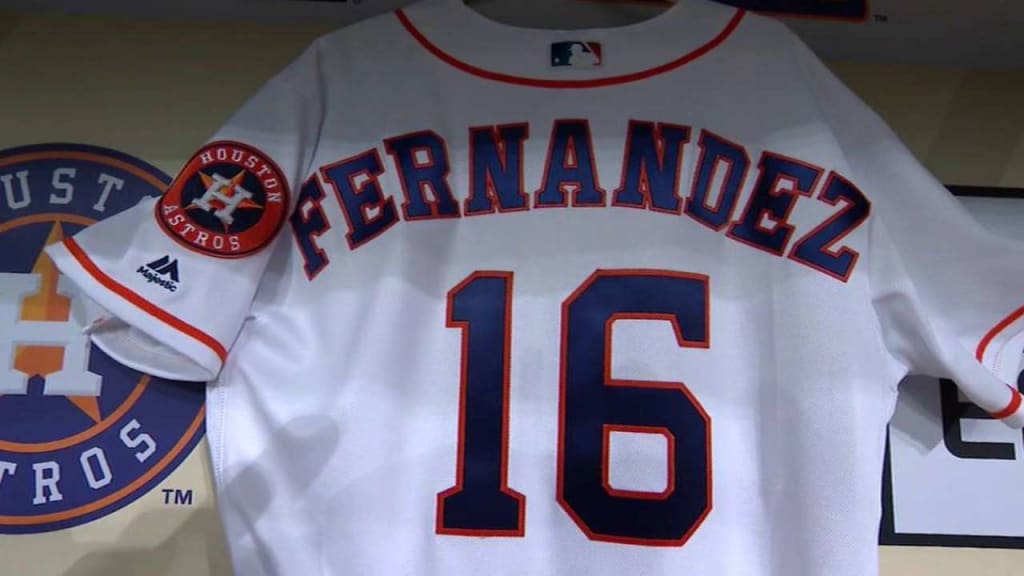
(476, 45)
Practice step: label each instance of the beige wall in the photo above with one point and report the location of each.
(966, 126)
(151, 89)
(156, 90)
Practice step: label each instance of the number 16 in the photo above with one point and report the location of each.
(592, 404)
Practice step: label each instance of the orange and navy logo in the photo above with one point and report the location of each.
(80, 435)
(229, 201)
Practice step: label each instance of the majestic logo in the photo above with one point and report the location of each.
(229, 201)
(576, 54)
(162, 272)
(80, 435)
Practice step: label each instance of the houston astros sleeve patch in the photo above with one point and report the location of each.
(229, 201)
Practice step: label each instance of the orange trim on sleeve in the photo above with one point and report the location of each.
(1016, 401)
(146, 306)
(983, 345)
(1011, 408)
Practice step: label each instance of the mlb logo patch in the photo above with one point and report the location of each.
(575, 54)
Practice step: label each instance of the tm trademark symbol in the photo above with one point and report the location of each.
(881, 18)
(174, 497)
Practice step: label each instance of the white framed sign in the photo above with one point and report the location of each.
(953, 475)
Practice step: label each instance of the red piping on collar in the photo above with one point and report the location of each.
(563, 84)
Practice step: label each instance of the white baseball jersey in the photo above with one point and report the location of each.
(477, 299)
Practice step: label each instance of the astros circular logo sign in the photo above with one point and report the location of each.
(80, 435)
(229, 201)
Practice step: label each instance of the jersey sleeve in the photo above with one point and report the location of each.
(169, 283)
(947, 292)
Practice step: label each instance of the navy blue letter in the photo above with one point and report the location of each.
(815, 249)
(570, 165)
(422, 162)
(308, 223)
(650, 168)
(357, 198)
(714, 150)
(496, 169)
(774, 201)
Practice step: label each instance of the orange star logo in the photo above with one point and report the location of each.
(47, 305)
(229, 191)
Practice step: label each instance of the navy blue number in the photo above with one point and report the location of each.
(592, 402)
(591, 405)
(481, 503)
